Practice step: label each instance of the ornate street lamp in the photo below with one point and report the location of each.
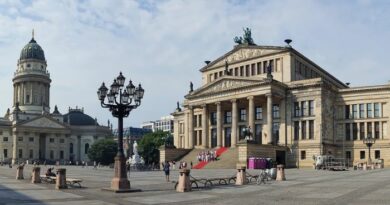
(369, 141)
(120, 101)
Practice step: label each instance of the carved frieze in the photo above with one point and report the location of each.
(244, 54)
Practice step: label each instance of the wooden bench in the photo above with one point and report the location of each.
(73, 182)
(48, 179)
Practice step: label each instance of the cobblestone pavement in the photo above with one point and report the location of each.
(302, 186)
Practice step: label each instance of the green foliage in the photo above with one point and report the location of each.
(149, 144)
(103, 151)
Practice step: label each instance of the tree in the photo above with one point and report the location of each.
(103, 151)
(149, 144)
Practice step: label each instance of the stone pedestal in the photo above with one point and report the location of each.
(61, 179)
(280, 176)
(36, 175)
(120, 181)
(241, 175)
(19, 172)
(184, 184)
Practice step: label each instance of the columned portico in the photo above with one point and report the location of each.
(204, 126)
(234, 123)
(191, 127)
(219, 125)
(251, 113)
(269, 118)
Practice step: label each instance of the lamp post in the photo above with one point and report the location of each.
(369, 141)
(121, 100)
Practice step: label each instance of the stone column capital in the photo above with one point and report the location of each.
(218, 103)
(203, 105)
(233, 100)
(250, 97)
(268, 94)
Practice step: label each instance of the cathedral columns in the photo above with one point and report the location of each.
(204, 127)
(234, 123)
(269, 118)
(219, 124)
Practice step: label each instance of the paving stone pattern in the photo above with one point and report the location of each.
(303, 186)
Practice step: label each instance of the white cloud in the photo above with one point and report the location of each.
(162, 44)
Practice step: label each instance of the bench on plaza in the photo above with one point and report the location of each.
(73, 182)
(48, 179)
(208, 182)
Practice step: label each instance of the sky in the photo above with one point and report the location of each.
(163, 44)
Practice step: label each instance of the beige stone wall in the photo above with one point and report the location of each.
(171, 154)
(246, 150)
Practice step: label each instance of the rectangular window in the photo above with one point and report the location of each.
(242, 115)
(303, 155)
(275, 131)
(258, 68)
(377, 154)
(311, 129)
(31, 154)
(265, 66)
(247, 70)
(362, 154)
(20, 153)
(275, 111)
(354, 131)
(369, 110)
(51, 154)
(241, 131)
(303, 108)
(242, 71)
(213, 118)
(5, 153)
(51, 140)
(311, 107)
(369, 129)
(20, 139)
(200, 120)
(362, 132)
(376, 128)
(253, 69)
(259, 113)
(361, 111)
(296, 130)
(31, 139)
(303, 130)
(348, 155)
(62, 140)
(347, 112)
(376, 110)
(258, 130)
(215, 76)
(354, 111)
(61, 154)
(228, 117)
(347, 132)
(296, 109)
(5, 139)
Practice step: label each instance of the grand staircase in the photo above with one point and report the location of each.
(227, 159)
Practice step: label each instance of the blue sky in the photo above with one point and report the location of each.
(163, 44)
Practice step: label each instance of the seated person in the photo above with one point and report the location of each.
(49, 173)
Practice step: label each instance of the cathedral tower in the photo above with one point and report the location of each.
(32, 80)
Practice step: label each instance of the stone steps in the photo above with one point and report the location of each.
(227, 160)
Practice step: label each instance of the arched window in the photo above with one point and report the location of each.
(86, 148)
(71, 148)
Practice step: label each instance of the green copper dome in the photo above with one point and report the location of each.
(32, 51)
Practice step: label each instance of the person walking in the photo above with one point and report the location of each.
(166, 171)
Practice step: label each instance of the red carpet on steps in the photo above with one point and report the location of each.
(201, 164)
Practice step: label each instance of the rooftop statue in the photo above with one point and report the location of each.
(246, 39)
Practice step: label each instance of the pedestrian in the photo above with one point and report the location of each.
(191, 164)
(94, 165)
(166, 171)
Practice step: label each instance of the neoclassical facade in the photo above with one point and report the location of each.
(29, 131)
(287, 100)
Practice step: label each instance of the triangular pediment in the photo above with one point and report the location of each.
(241, 53)
(226, 84)
(43, 122)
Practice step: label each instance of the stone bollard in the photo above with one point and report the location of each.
(184, 184)
(241, 175)
(364, 166)
(36, 178)
(280, 176)
(19, 172)
(61, 179)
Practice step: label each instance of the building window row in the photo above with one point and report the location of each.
(367, 110)
(305, 129)
(197, 120)
(359, 131)
(304, 108)
(250, 69)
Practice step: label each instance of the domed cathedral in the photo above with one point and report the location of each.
(272, 101)
(29, 131)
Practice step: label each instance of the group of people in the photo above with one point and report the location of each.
(207, 156)
(167, 167)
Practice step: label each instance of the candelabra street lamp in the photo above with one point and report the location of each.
(369, 141)
(121, 100)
